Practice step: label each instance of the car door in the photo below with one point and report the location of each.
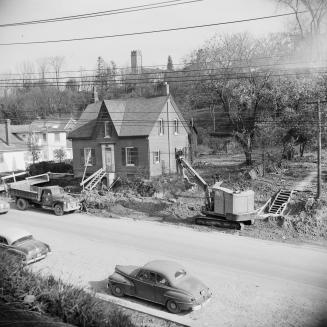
(162, 286)
(5, 247)
(145, 283)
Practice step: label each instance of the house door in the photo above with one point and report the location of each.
(108, 157)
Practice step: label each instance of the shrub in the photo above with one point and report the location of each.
(46, 166)
(54, 297)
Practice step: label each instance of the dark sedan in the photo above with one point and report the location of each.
(160, 281)
(22, 245)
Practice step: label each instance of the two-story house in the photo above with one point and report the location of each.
(47, 135)
(130, 136)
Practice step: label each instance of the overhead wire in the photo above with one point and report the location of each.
(207, 70)
(144, 7)
(154, 31)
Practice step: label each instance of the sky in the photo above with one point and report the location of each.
(155, 48)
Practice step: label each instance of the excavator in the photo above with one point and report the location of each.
(222, 207)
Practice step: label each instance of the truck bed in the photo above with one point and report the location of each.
(24, 190)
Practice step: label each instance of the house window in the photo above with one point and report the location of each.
(107, 129)
(161, 126)
(87, 156)
(156, 157)
(57, 137)
(129, 156)
(1, 158)
(44, 137)
(175, 126)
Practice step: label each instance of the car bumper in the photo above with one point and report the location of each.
(28, 262)
(200, 306)
(197, 305)
(4, 209)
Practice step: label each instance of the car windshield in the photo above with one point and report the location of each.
(180, 274)
(23, 239)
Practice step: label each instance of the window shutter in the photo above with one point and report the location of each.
(159, 155)
(123, 156)
(82, 159)
(93, 157)
(135, 156)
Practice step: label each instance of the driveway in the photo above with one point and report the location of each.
(254, 282)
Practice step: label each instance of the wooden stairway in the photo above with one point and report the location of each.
(96, 178)
(278, 206)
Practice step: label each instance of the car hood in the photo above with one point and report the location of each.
(192, 285)
(126, 270)
(32, 246)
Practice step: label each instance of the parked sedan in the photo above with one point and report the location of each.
(4, 206)
(22, 244)
(160, 281)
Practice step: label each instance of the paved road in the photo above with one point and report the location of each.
(255, 282)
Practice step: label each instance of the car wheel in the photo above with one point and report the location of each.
(58, 210)
(22, 204)
(173, 307)
(116, 290)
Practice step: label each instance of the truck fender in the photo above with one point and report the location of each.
(127, 285)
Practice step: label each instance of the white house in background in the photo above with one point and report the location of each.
(49, 135)
(13, 150)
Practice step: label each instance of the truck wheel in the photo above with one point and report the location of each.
(22, 204)
(58, 210)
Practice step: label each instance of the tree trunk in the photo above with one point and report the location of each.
(302, 146)
(248, 156)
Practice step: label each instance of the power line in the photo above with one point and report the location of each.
(153, 31)
(144, 7)
(163, 66)
(167, 73)
(181, 79)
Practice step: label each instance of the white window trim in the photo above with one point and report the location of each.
(89, 164)
(127, 164)
(161, 127)
(157, 153)
(106, 132)
(176, 126)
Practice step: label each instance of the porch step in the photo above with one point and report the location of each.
(96, 179)
(280, 202)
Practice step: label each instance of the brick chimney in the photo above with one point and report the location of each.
(166, 88)
(7, 127)
(95, 95)
(136, 61)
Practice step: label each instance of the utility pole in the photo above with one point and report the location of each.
(319, 151)
(318, 107)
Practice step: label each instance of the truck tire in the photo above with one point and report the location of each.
(58, 209)
(21, 204)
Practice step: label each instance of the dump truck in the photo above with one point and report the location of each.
(52, 198)
(222, 207)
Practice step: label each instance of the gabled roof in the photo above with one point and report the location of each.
(16, 143)
(52, 125)
(131, 117)
(135, 116)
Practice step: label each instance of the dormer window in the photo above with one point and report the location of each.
(107, 129)
(175, 126)
(161, 126)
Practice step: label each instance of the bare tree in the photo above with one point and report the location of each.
(310, 22)
(26, 69)
(43, 66)
(56, 63)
